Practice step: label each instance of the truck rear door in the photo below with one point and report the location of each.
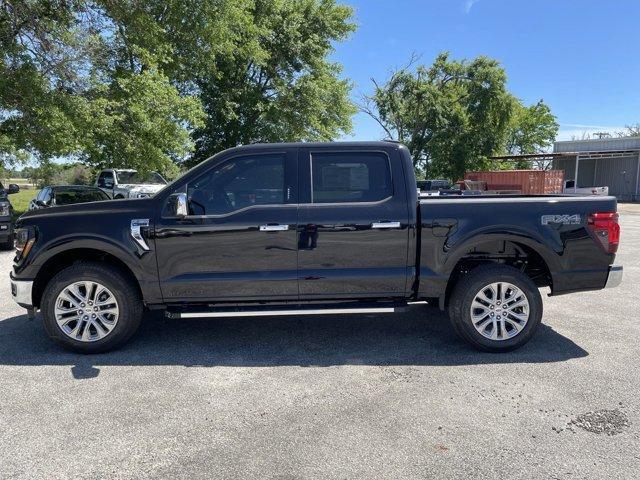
(352, 223)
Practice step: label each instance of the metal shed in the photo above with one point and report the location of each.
(611, 162)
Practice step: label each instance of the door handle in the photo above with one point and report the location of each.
(273, 227)
(385, 225)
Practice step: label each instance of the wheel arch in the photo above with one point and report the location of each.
(63, 258)
(527, 254)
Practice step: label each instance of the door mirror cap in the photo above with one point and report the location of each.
(13, 188)
(177, 205)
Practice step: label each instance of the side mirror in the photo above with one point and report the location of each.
(177, 206)
(13, 188)
(40, 203)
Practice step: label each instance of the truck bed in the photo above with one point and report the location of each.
(552, 226)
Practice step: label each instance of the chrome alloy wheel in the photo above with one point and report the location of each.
(499, 311)
(86, 311)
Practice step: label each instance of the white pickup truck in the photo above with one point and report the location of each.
(124, 183)
(569, 187)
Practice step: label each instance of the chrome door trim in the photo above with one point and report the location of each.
(273, 228)
(385, 225)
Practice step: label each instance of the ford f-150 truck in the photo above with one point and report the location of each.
(309, 228)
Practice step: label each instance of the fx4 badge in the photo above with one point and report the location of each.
(562, 219)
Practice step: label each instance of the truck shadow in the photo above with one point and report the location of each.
(415, 338)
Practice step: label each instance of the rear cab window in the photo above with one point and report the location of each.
(350, 177)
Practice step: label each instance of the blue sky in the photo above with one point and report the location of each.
(581, 57)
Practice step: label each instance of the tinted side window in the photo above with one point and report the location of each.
(104, 179)
(46, 196)
(350, 177)
(67, 197)
(238, 183)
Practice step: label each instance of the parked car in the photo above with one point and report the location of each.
(569, 187)
(66, 195)
(122, 183)
(6, 213)
(304, 229)
(457, 191)
(432, 187)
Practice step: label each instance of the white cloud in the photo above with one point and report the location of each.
(571, 131)
(468, 5)
(588, 127)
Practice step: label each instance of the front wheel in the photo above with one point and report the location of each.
(91, 308)
(495, 308)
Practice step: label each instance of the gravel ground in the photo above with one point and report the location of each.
(331, 397)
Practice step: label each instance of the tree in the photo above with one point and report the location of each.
(279, 85)
(123, 82)
(74, 84)
(454, 115)
(532, 129)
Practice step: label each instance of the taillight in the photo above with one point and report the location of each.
(606, 229)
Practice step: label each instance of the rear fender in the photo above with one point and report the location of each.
(510, 234)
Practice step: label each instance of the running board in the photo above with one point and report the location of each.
(271, 313)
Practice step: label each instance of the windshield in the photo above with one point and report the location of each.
(136, 178)
(67, 197)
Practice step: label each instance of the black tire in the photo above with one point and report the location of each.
(464, 293)
(123, 289)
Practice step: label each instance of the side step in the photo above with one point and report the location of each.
(299, 310)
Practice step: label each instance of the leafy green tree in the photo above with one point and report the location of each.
(278, 85)
(74, 84)
(532, 129)
(123, 82)
(454, 115)
(35, 74)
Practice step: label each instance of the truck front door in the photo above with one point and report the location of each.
(353, 224)
(239, 240)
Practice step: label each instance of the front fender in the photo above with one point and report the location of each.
(141, 264)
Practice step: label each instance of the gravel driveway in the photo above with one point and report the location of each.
(331, 397)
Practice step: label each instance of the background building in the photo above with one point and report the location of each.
(607, 162)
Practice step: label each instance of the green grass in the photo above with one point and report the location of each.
(20, 200)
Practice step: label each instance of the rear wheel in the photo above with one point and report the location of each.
(91, 308)
(495, 308)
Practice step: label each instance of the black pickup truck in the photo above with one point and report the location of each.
(309, 228)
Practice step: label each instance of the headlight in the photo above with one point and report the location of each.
(25, 238)
(4, 209)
